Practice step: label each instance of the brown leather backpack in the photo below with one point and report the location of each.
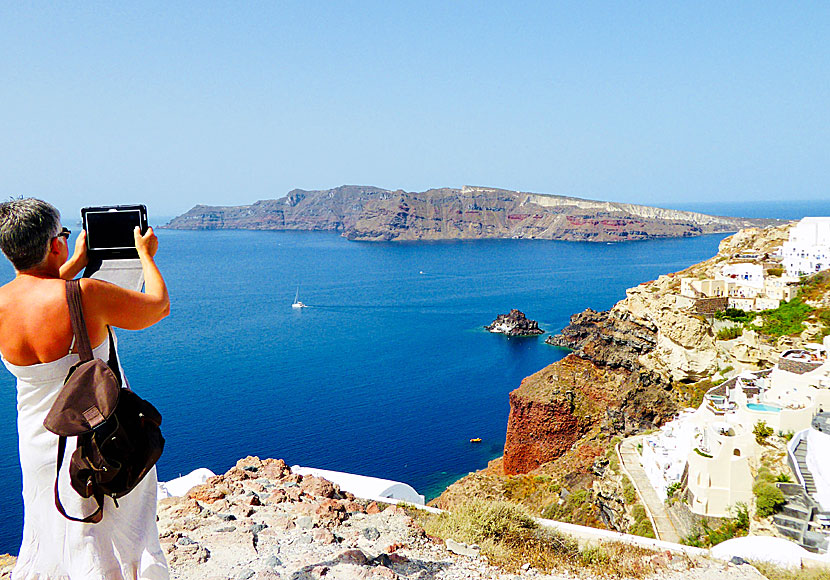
(119, 435)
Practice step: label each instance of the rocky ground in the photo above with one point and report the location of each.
(259, 521)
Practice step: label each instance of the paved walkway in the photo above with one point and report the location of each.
(655, 507)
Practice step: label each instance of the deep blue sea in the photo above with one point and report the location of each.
(387, 373)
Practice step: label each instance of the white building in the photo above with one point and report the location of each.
(746, 287)
(781, 288)
(715, 445)
(666, 452)
(747, 277)
(808, 249)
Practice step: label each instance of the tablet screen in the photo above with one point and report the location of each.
(112, 230)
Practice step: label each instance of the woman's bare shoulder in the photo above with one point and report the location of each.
(95, 287)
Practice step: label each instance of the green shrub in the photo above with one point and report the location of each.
(478, 521)
(823, 317)
(768, 498)
(775, 272)
(786, 320)
(595, 556)
(644, 529)
(673, 489)
(762, 432)
(786, 436)
(735, 315)
(730, 332)
(741, 511)
(642, 525)
(704, 536)
(629, 492)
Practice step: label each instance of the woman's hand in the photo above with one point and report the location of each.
(148, 244)
(79, 258)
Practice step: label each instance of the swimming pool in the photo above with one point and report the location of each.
(763, 407)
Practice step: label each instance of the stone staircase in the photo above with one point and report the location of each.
(798, 519)
(802, 518)
(800, 454)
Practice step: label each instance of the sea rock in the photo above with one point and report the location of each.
(515, 323)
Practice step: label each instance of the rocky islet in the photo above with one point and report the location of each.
(514, 323)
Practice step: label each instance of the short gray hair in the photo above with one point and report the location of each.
(27, 225)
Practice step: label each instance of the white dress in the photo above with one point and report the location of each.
(123, 546)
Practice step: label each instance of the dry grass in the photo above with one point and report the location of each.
(773, 572)
(691, 394)
(510, 538)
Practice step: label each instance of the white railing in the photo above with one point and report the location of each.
(791, 447)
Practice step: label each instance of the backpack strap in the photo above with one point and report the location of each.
(81, 336)
(76, 317)
(94, 517)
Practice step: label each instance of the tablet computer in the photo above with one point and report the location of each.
(111, 244)
(109, 230)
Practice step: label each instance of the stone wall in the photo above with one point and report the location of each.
(710, 305)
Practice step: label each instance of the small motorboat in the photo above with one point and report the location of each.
(475, 440)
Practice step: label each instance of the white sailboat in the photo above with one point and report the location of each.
(297, 303)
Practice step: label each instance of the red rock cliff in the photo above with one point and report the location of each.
(555, 407)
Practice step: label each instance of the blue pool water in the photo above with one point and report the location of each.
(763, 407)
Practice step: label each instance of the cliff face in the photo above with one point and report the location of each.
(374, 214)
(613, 339)
(619, 377)
(573, 398)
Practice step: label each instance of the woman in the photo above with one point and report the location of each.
(36, 342)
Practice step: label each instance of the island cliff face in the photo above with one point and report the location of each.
(374, 214)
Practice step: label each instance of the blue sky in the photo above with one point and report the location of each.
(658, 103)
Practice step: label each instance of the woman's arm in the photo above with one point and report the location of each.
(115, 306)
(79, 259)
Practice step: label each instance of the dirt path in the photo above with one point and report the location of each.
(656, 508)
